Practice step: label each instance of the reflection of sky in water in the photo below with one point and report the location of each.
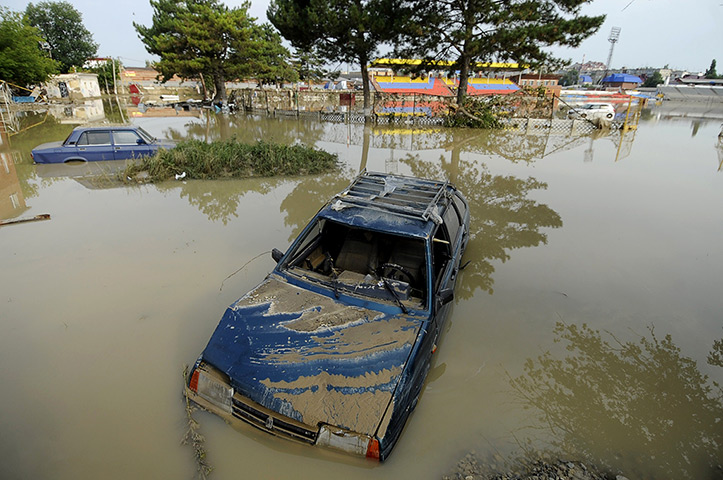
(103, 304)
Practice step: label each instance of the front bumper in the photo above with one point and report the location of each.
(244, 411)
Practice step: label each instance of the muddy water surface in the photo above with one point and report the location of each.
(588, 322)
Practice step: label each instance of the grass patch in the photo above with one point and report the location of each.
(231, 159)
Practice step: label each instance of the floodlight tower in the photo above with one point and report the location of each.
(613, 39)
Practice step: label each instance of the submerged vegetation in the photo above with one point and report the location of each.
(195, 159)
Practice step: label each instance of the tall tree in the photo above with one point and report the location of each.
(308, 65)
(468, 32)
(106, 74)
(269, 59)
(195, 37)
(341, 30)
(22, 62)
(61, 25)
(711, 73)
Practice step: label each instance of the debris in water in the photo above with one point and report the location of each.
(36, 218)
(194, 438)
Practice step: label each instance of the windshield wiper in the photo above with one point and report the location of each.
(394, 294)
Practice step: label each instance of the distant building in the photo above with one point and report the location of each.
(96, 62)
(537, 80)
(73, 86)
(700, 80)
(622, 80)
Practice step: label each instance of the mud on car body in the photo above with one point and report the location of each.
(333, 347)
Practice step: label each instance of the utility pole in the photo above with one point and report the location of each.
(115, 88)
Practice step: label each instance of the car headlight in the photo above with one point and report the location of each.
(209, 384)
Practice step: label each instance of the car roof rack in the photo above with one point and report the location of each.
(397, 194)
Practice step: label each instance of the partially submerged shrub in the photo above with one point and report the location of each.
(195, 159)
(476, 113)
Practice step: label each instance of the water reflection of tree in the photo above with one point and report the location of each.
(309, 195)
(250, 129)
(503, 217)
(219, 200)
(641, 407)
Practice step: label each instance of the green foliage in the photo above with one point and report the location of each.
(308, 65)
(226, 159)
(269, 59)
(571, 77)
(61, 25)
(105, 75)
(195, 37)
(205, 37)
(478, 113)
(22, 62)
(711, 73)
(492, 31)
(340, 30)
(654, 80)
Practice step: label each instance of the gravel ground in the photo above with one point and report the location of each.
(470, 468)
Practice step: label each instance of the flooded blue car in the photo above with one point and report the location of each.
(89, 144)
(332, 348)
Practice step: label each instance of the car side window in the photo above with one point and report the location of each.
(125, 137)
(94, 138)
(441, 252)
(451, 221)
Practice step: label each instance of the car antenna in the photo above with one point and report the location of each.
(242, 267)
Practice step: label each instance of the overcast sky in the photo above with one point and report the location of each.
(684, 34)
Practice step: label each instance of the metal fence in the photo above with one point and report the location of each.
(530, 112)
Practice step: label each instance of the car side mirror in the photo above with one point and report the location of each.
(276, 254)
(445, 296)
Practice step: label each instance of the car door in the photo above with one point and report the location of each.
(128, 144)
(94, 145)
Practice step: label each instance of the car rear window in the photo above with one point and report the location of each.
(94, 138)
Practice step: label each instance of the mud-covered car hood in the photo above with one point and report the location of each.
(312, 358)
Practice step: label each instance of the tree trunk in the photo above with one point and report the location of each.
(365, 88)
(463, 81)
(203, 86)
(220, 83)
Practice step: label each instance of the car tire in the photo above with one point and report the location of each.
(609, 115)
(583, 115)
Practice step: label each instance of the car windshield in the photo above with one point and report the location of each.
(146, 136)
(363, 262)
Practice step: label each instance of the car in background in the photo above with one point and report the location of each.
(90, 144)
(332, 348)
(592, 111)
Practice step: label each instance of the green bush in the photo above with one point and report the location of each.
(485, 112)
(231, 159)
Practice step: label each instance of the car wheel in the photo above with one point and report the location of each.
(609, 115)
(583, 115)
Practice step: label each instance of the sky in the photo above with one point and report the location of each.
(683, 34)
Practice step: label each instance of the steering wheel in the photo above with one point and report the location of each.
(388, 269)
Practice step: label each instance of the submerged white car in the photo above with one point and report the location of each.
(592, 111)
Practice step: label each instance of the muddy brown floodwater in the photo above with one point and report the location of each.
(588, 322)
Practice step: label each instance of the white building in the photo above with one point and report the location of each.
(73, 86)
